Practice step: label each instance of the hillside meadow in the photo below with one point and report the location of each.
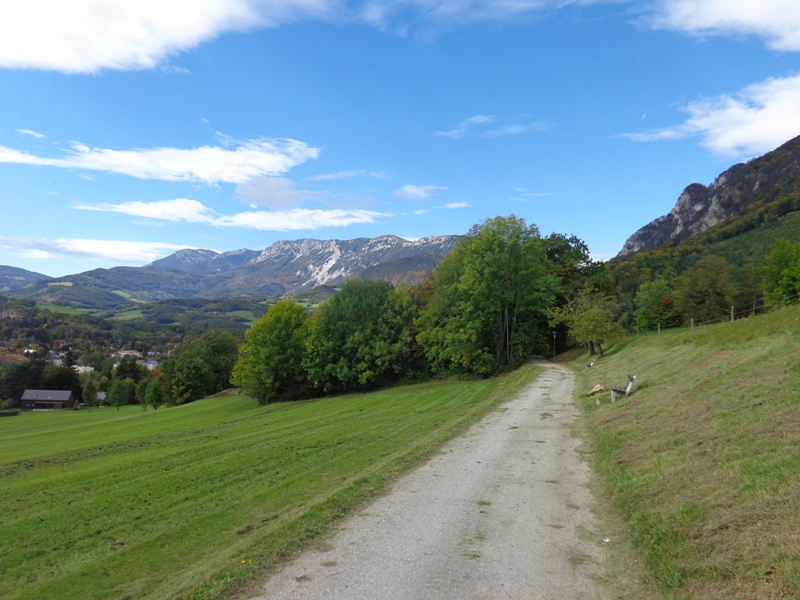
(702, 461)
(191, 501)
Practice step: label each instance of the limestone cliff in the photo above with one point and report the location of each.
(733, 193)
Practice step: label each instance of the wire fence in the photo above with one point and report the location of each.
(729, 317)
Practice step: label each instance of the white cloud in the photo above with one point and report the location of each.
(180, 209)
(434, 15)
(463, 129)
(116, 250)
(755, 120)
(481, 122)
(206, 164)
(88, 36)
(457, 205)
(417, 192)
(777, 21)
(346, 175)
(192, 211)
(507, 130)
(85, 36)
(337, 176)
(525, 197)
(299, 219)
(31, 133)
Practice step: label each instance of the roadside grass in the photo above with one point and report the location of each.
(194, 501)
(703, 460)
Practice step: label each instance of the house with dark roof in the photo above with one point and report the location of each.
(46, 399)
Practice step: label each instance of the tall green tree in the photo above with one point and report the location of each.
(121, 392)
(707, 290)
(128, 368)
(154, 395)
(362, 338)
(590, 319)
(220, 350)
(782, 273)
(141, 392)
(490, 299)
(270, 363)
(90, 392)
(23, 375)
(656, 306)
(190, 377)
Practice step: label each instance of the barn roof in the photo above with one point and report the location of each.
(63, 395)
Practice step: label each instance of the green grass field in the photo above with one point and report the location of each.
(128, 315)
(247, 315)
(68, 310)
(703, 460)
(191, 501)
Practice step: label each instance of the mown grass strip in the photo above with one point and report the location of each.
(703, 460)
(191, 501)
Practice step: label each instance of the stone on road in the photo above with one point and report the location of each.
(499, 513)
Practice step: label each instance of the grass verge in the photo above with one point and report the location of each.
(703, 460)
(192, 501)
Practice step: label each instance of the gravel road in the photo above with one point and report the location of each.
(496, 514)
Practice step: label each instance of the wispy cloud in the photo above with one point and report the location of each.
(453, 205)
(417, 192)
(31, 133)
(105, 250)
(299, 219)
(346, 175)
(756, 119)
(207, 164)
(526, 197)
(488, 127)
(776, 21)
(193, 211)
(180, 209)
(518, 129)
(463, 129)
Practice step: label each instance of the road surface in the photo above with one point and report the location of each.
(502, 512)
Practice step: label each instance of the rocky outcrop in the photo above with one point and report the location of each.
(732, 194)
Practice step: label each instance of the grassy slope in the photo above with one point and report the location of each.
(703, 460)
(189, 501)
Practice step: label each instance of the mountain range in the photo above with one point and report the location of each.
(286, 267)
(744, 197)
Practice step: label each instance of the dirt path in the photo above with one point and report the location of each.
(497, 514)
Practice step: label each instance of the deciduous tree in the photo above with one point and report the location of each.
(190, 378)
(782, 273)
(270, 363)
(490, 299)
(707, 290)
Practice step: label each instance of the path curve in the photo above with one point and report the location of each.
(497, 514)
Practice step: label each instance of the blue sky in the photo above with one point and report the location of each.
(130, 129)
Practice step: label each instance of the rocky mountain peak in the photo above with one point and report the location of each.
(732, 194)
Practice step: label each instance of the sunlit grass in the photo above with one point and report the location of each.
(704, 458)
(190, 500)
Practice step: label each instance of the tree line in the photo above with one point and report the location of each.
(503, 293)
(484, 310)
